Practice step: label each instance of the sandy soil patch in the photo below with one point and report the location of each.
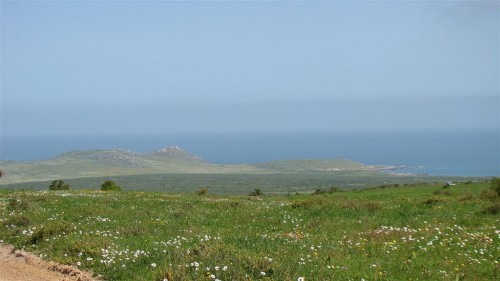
(17, 265)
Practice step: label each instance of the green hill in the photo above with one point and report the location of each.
(115, 162)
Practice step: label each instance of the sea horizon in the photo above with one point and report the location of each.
(472, 152)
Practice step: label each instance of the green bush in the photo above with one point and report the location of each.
(319, 191)
(17, 220)
(256, 192)
(495, 185)
(110, 185)
(51, 229)
(492, 210)
(19, 204)
(334, 189)
(202, 191)
(58, 185)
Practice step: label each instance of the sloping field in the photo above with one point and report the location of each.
(418, 232)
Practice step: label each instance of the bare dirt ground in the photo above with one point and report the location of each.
(16, 265)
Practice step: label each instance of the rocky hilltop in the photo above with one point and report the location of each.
(127, 158)
(175, 152)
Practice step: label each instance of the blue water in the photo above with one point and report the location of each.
(453, 152)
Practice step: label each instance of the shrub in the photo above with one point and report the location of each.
(58, 185)
(332, 189)
(488, 194)
(110, 185)
(51, 229)
(495, 185)
(17, 220)
(19, 204)
(335, 189)
(319, 191)
(371, 206)
(432, 201)
(465, 197)
(491, 210)
(256, 192)
(202, 191)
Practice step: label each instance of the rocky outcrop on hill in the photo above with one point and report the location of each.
(175, 152)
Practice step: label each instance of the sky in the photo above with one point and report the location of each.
(135, 67)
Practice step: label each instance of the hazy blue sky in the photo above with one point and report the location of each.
(92, 67)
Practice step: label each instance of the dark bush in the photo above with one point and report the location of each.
(19, 204)
(110, 185)
(58, 185)
(51, 229)
(18, 220)
(334, 189)
(432, 201)
(256, 192)
(495, 185)
(491, 210)
(371, 206)
(331, 190)
(319, 191)
(202, 191)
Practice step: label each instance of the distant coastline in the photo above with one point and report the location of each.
(452, 152)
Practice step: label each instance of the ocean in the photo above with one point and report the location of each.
(437, 152)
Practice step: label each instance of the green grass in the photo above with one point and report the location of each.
(276, 183)
(417, 232)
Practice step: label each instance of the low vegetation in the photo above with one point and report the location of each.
(242, 184)
(110, 185)
(495, 185)
(58, 185)
(382, 233)
(256, 192)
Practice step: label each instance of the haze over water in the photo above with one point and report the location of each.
(398, 83)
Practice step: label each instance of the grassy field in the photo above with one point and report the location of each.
(415, 232)
(235, 183)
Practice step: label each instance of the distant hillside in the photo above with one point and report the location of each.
(171, 160)
(115, 162)
(114, 157)
(126, 158)
(315, 165)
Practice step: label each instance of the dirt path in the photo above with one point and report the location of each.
(18, 265)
